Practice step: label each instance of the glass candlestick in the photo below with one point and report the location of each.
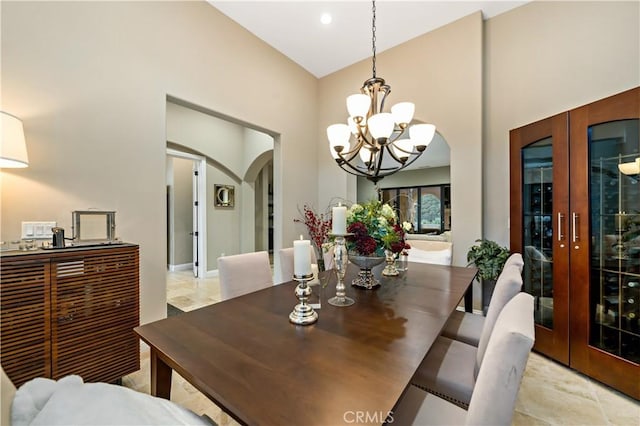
(303, 314)
(340, 259)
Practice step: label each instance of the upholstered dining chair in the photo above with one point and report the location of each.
(494, 396)
(71, 401)
(451, 367)
(244, 273)
(467, 327)
(286, 263)
(434, 252)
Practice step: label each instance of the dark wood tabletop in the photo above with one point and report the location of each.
(247, 357)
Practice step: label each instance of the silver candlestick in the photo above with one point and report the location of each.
(340, 259)
(303, 314)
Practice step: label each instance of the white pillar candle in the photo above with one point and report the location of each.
(301, 257)
(339, 220)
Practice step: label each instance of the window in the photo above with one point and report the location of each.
(427, 208)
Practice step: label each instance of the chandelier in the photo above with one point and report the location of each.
(381, 144)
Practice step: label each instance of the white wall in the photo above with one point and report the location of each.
(90, 81)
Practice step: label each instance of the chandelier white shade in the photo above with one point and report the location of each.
(13, 148)
(373, 144)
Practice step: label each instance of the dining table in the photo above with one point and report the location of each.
(351, 366)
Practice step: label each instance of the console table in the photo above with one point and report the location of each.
(70, 311)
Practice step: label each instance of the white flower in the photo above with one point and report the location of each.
(388, 212)
(406, 226)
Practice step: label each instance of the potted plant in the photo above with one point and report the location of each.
(489, 257)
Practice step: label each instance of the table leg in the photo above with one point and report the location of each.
(160, 376)
(468, 299)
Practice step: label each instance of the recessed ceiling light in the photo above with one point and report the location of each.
(325, 18)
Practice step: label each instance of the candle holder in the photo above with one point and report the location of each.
(302, 313)
(340, 259)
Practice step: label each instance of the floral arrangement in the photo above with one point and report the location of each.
(318, 226)
(375, 228)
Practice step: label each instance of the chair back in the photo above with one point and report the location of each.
(434, 252)
(516, 260)
(494, 395)
(244, 273)
(508, 284)
(286, 263)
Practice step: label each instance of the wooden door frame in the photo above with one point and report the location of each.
(551, 342)
(597, 363)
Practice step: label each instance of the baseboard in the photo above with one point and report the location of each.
(183, 267)
(211, 274)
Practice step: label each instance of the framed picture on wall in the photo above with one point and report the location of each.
(224, 195)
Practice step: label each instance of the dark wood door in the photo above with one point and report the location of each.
(539, 207)
(575, 217)
(605, 253)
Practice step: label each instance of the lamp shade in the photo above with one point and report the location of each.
(403, 112)
(631, 168)
(381, 125)
(402, 148)
(358, 105)
(338, 135)
(13, 149)
(422, 134)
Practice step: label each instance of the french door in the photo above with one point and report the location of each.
(575, 217)
(540, 226)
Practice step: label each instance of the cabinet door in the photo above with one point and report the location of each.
(605, 253)
(539, 226)
(25, 321)
(95, 308)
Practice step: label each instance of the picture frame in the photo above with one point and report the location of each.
(224, 195)
(94, 225)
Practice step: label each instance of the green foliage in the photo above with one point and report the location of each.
(488, 257)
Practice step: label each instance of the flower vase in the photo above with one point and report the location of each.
(402, 263)
(390, 270)
(365, 278)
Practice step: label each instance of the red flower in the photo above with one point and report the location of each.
(317, 226)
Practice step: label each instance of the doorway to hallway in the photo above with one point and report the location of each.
(186, 212)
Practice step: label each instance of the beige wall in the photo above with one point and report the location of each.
(542, 59)
(90, 81)
(441, 72)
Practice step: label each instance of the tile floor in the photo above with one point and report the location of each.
(550, 394)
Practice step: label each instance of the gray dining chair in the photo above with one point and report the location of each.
(467, 327)
(450, 368)
(494, 396)
(287, 262)
(244, 273)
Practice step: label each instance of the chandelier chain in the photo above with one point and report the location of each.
(373, 38)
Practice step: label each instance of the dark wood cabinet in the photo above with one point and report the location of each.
(70, 311)
(575, 217)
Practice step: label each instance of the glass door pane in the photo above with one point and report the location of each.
(537, 221)
(430, 209)
(615, 234)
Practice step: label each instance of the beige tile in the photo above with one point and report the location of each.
(522, 419)
(618, 409)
